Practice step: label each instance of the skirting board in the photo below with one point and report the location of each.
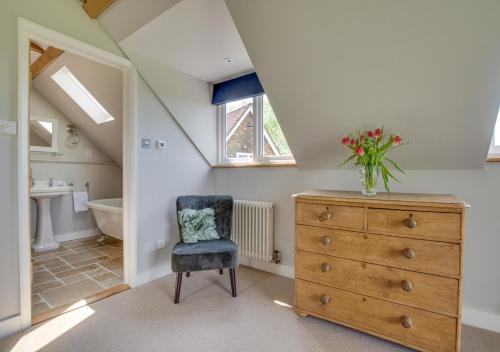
(480, 319)
(76, 235)
(278, 269)
(153, 274)
(163, 270)
(10, 326)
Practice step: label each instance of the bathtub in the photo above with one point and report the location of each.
(109, 216)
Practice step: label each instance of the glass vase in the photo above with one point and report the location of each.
(369, 177)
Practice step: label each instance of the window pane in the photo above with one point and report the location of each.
(274, 140)
(240, 124)
(495, 140)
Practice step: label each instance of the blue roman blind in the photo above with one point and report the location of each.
(235, 89)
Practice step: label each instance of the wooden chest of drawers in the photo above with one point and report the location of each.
(389, 265)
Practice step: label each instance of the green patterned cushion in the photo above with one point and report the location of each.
(197, 225)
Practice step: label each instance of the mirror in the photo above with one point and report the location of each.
(43, 134)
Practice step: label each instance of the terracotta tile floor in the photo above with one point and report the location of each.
(77, 269)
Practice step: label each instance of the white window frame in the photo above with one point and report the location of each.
(494, 151)
(258, 138)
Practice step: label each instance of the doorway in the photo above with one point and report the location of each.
(72, 251)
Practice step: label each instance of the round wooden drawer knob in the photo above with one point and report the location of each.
(325, 267)
(326, 215)
(409, 253)
(407, 285)
(406, 322)
(324, 299)
(326, 240)
(410, 222)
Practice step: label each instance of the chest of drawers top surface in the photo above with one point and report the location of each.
(383, 198)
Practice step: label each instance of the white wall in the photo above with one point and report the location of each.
(104, 176)
(480, 188)
(187, 99)
(164, 175)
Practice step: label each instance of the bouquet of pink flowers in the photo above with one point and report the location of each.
(369, 150)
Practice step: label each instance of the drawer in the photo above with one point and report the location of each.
(415, 327)
(330, 215)
(435, 293)
(430, 225)
(430, 257)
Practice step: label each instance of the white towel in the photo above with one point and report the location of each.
(80, 200)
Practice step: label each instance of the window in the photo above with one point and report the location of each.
(77, 91)
(494, 152)
(250, 133)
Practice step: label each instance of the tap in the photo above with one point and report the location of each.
(51, 182)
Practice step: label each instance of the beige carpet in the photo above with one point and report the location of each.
(207, 319)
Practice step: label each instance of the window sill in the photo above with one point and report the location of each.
(493, 159)
(240, 165)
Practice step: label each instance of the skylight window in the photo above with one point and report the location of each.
(47, 125)
(77, 91)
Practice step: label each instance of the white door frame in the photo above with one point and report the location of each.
(28, 30)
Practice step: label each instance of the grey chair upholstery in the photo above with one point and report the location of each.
(207, 255)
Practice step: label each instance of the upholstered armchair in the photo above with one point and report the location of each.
(207, 255)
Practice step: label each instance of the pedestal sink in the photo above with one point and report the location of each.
(43, 192)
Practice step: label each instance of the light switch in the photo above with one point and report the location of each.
(8, 127)
(146, 143)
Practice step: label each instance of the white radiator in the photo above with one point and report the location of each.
(253, 229)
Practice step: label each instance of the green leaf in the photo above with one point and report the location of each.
(348, 159)
(386, 180)
(395, 165)
(388, 172)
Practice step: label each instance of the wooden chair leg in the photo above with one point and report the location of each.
(178, 288)
(232, 276)
(188, 274)
(221, 271)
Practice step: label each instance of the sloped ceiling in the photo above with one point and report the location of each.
(143, 11)
(105, 84)
(194, 37)
(427, 69)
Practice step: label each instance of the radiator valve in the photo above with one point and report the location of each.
(276, 256)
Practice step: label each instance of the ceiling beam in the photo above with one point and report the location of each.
(95, 7)
(44, 60)
(35, 47)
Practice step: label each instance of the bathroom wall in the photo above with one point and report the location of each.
(80, 163)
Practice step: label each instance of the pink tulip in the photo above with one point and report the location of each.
(360, 151)
(345, 140)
